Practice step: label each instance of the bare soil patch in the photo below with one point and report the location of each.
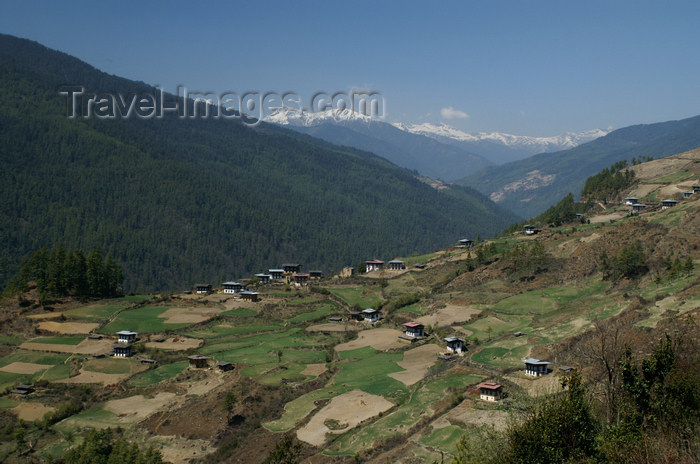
(601, 218)
(449, 315)
(24, 368)
(332, 327)
(190, 315)
(540, 386)
(314, 369)
(465, 413)
(347, 410)
(31, 411)
(176, 343)
(379, 339)
(68, 327)
(178, 450)
(36, 317)
(103, 346)
(416, 361)
(96, 377)
(136, 408)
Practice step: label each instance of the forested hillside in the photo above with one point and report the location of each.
(176, 201)
(532, 185)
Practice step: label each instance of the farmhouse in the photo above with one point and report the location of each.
(315, 274)
(687, 194)
(347, 272)
(374, 265)
(22, 389)
(696, 188)
(396, 265)
(629, 201)
(264, 278)
(371, 315)
(250, 296)
(489, 391)
(94, 336)
(414, 330)
(122, 351)
(126, 336)
(535, 367)
(198, 361)
(638, 208)
(233, 287)
(147, 361)
(204, 289)
(276, 274)
(666, 204)
(455, 344)
(465, 243)
(530, 229)
(290, 268)
(301, 279)
(224, 366)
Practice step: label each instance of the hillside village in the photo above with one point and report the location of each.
(393, 361)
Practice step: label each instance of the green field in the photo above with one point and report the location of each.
(365, 297)
(325, 310)
(143, 320)
(296, 410)
(445, 439)
(220, 331)
(111, 365)
(671, 178)
(59, 340)
(500, 324)
(10, 340)
(97, 312)
(157, 375)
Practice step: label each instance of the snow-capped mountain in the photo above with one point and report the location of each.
(527, 144)
(293, 117)
(426, 155)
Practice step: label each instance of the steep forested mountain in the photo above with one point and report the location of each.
(531, 185)
(181, 200)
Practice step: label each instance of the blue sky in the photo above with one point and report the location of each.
(529, 68)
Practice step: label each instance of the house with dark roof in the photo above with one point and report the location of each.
(264, 278)
(126, 336)
(233, 287)
(688, 194)
(291, 268)
(530, 229)
(396, 265)
(535, 367)
(301, 279)
(203, 289)
(198, 361)
(638, 208)
(122, 351)
(666, 204)
(455, 344)
(250, 296)
(465, 243)
(629, 201)
(315, 274)
(276, 274)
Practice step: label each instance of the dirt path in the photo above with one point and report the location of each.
(379, 339)
(347, 411)
(416, 361)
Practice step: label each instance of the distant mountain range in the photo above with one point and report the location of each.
(437, 160)
(499, 147)
(182, 200)
(531, 185)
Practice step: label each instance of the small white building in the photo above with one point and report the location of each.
(535, 367)
(122, 351)
(126, 336)
(374, 265)
(629, 201)
(414, 329)
(233, 287)
(371, 315)
(465, 243)
(203, 289)
(530, 229)
(396, 265)
(666, 204)
(489, 391)
(276, 274)
(455, 344)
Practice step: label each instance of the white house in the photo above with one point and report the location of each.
(233, 287)
(414, 329)
(396, 265)
(374, 265)
(489, 391)
(276, 274)
(530, 229)
(629, 201)
(455, 344)
(126, 336)
(535, 367)
(465, 243)
(122, 351)
(371, 315)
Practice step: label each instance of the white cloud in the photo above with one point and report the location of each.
(451, 113)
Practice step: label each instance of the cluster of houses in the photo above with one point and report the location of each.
(638, 207)
(378, 265)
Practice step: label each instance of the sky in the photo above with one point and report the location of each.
(536, 68)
